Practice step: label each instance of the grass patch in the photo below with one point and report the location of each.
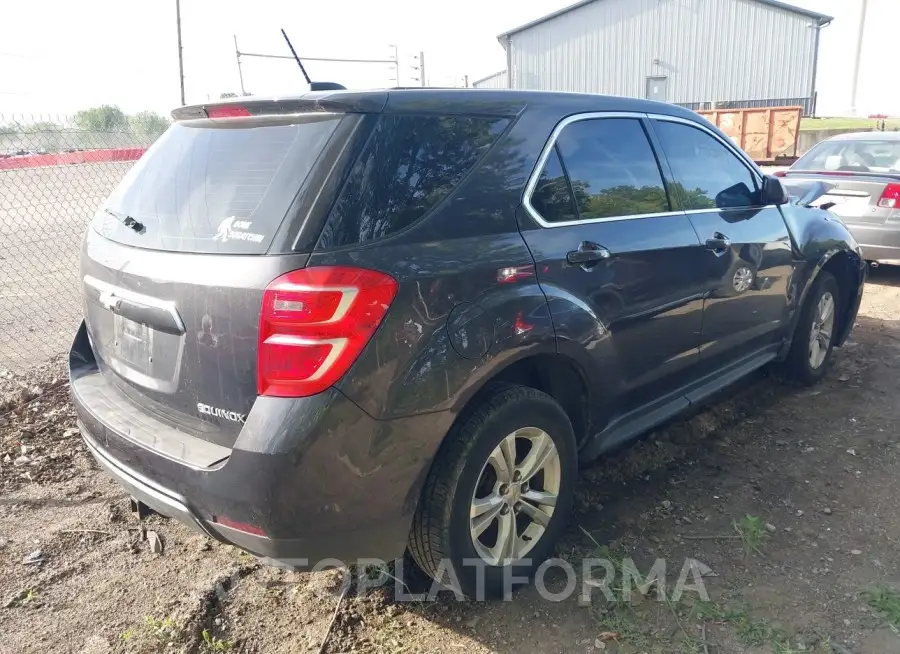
(886, 601)
(847, 123)
(162, 631)
(753, 533)
(212, 644)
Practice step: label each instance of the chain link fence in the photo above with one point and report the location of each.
(53, 177)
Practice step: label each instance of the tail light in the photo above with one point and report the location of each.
(890, 198)
(780, 173)
(313, 325)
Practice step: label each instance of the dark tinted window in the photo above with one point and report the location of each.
(552, 197)
(612, 168)
(408, 166)
(215, 189)
(708, 175)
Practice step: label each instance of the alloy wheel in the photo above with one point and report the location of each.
(820, 333)
(515, 496)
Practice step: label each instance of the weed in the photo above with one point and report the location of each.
(165, 630)
(213, 644)
(753, 533)
(708, 611)
(30, 597)
(245, 557)
(886, 601)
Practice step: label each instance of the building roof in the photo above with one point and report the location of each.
(491, 76)
(821, 19)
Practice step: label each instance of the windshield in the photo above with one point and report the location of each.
(218, 189)
(854, 156)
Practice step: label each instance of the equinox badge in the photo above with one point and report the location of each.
(233, 416)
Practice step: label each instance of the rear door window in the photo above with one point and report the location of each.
(409, 165)
(612, 168)
(215, 189)
(707, 174)
(552, 197)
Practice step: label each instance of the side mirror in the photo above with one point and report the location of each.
(773, 192)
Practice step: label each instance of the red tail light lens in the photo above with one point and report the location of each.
(890, 198)
(780, 173)
(313, 325)
(227, 111)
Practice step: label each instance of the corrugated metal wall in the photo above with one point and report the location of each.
(495, 81)
(710, 50)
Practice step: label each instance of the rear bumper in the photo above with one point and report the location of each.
(878, 242)
(318, 476)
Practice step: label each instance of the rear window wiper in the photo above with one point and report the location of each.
(127, 220)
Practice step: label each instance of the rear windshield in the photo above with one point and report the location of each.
(221, 189)
(857, 156)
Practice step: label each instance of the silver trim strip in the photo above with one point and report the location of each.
(111, 292)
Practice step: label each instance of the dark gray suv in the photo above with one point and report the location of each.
(354, 324)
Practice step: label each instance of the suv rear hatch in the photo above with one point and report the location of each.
(176, 262)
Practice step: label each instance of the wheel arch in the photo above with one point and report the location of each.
(848, 269)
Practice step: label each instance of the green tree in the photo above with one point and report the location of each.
(105, 118)
(148, 123)
(44, 136)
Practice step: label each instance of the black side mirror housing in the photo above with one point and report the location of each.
(773, 192)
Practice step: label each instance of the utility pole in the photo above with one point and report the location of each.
(237, 53)
(422, 67)
(466, 79)
(858, 59)
(396, 66)
(180, 58)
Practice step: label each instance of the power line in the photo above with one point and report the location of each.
(302, 58)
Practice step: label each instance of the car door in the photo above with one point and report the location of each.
(622, 269)
(748, 258)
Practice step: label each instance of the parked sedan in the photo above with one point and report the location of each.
(863, 170)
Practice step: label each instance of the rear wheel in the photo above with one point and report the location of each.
(498, 495)
(811, 351)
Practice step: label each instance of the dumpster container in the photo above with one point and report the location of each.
(768, 134)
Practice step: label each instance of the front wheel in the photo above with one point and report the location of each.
(813, 344)
(499, 494)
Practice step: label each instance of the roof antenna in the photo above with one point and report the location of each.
(313, 86)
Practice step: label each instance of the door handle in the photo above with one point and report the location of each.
(718, 242)
(587, 253)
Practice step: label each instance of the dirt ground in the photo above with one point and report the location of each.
(788, 496)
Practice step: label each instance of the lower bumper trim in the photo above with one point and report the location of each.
(162, 501)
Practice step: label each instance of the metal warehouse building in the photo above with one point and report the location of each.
(696, 53)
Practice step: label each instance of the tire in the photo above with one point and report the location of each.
(442, 536)
(798, 366)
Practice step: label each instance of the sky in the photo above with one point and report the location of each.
(59, 56)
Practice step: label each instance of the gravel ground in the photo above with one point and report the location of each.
(788, 496)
